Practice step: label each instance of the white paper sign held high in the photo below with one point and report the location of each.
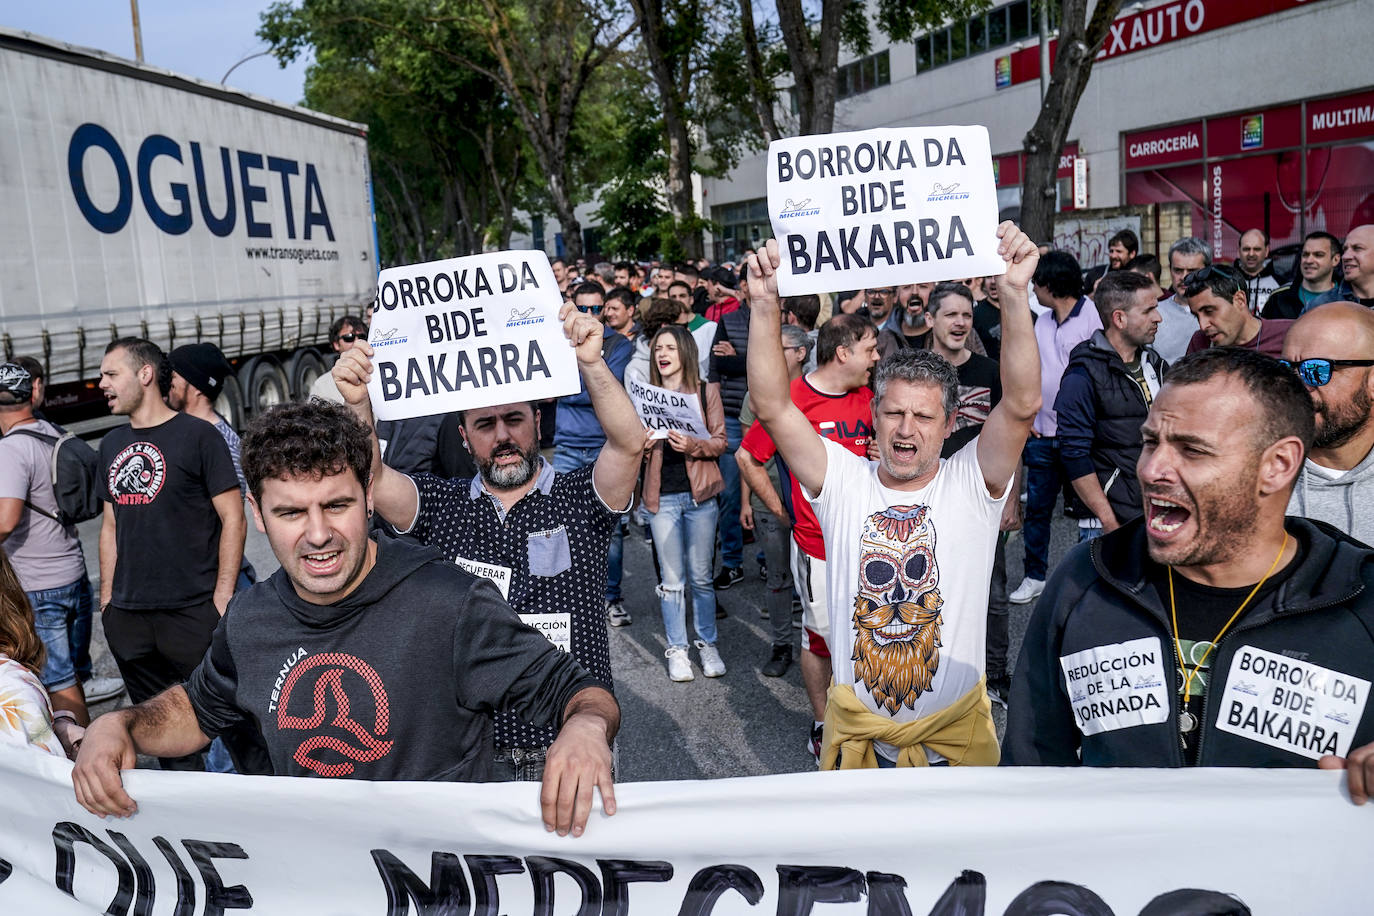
(881, 207)
(467, 333)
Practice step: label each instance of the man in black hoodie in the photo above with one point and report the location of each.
(1214, 631)
(361, 658)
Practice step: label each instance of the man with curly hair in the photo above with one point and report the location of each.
(362, 658)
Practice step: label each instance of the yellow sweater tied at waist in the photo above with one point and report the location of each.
(962, 733)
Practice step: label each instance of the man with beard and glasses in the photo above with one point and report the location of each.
(418, 655)
(909, 539)
(1332, 349)
(542, 535)
(1212, 631)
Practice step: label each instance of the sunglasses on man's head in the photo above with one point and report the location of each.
(350, 337)
(1316, 372)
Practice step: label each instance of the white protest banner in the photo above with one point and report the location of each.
(900, 842)
(882, 207)
(664, 411)
(466, 333)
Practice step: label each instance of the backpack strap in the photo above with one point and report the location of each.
(52, 470)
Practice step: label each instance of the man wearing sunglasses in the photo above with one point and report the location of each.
(344, 334)
(1218, 299)
(1332, 350)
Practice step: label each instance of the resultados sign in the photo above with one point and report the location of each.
(883, 207)
(467, 333)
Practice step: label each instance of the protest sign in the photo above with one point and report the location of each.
(467, 333)
(883, 207)
(664, 411)
(939, 840)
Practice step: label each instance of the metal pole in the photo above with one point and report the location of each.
(1044, 14)
(138, 32)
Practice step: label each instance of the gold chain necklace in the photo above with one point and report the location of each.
(1186, 720)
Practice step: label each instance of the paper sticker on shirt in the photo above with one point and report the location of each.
(498, 574)
(1117, 686)
(1293, 705)
(556, 627)
(897, 611)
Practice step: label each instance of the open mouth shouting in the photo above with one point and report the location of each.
(323, 562)
(1163, 517)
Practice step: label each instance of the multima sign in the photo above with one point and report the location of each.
(238, 178)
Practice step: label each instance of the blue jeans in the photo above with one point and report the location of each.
(567, 460)
(1044, 479)
(731, 534)
(1088, 534)
(62, 617)
(685, 533)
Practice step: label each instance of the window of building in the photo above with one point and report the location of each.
(1008, 23)
(742, 225)
(862, 75)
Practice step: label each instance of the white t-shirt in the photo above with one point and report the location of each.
(25, 713)
(927, 551)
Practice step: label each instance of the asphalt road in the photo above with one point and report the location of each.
(742, 724)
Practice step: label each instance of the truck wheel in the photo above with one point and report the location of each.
(267, 386)
(305, 366)
(229, 404)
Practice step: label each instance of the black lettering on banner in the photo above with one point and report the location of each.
(433, 375)
(887, 895)
(145, 888)
(708, 885)
(65, 836)
(543, 868)
(618, 874)
(486, 898)
(801, 887)
(186, 888)
(1194, 900)
(447, 891)
(218, 898)
(937, 240)
(966, 895)
(6, 869)
(1057, 898)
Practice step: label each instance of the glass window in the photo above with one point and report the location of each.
(958, 41)
(884, 69)
(997, 27)
(870, 70)
(941, 49)
(977, 35)
(923, 59)
(1019, 13)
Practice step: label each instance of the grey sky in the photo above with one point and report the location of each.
(200, 38)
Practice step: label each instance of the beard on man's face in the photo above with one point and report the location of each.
(509, 476)
(1337, 425)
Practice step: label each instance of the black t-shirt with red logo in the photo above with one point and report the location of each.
(397, 681)
(162, 481)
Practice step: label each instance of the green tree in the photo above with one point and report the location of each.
(1081, 35)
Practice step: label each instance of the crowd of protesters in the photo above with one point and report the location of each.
(1213, 438)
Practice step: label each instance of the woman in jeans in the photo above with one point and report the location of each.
(681, 480)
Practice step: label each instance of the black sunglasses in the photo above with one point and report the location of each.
(1316, 372)
(349, 338)
(594, 309)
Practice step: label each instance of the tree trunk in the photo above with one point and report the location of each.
(649, 16)
(813, 66)
(762, 94)
(1079, 41)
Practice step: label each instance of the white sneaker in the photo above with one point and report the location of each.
(679, 665)
(712, 665)
(99, 689)
(1027, 591)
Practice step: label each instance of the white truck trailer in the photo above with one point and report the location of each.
(138, 202)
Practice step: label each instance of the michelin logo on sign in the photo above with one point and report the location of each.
(941, 192)
(791, 208)
(388, 338)
(519, 319)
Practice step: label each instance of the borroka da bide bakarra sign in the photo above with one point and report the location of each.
(883, 207)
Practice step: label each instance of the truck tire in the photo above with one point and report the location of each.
(229, 404)
(267, 386)
(301, 371)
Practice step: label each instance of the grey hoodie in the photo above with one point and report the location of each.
(1347, 503)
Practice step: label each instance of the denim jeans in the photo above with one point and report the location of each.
(1088, 534)
(567, 460)
(731, 534)
(62, 617)
(1044, 479)
(684, 533)
(776, 536)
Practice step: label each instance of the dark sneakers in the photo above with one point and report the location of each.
(780, 661)
(729, 575)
